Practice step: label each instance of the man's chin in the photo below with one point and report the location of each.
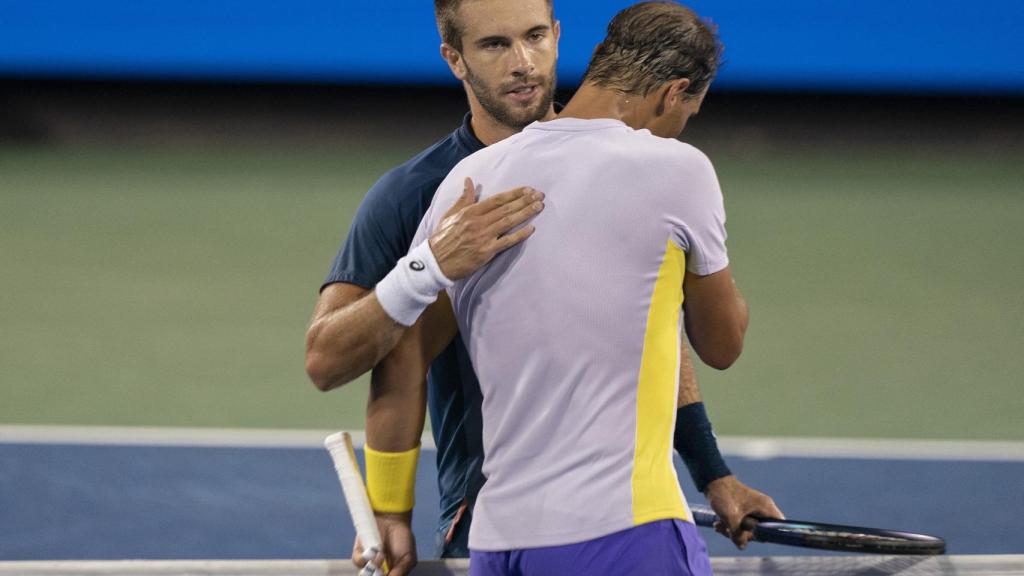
(517, 115)
(525, 115)
(525, 118)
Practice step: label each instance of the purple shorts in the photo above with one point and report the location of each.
(662, 547)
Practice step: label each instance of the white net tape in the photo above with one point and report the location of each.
(766, 566)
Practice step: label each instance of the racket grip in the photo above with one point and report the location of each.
(371, 569)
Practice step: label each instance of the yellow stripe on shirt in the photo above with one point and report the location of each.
(656, 494)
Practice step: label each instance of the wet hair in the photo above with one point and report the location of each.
(651, 43)
(446, 13)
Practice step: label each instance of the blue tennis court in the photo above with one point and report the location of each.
(116, 501)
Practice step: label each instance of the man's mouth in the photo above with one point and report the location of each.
(523, 93)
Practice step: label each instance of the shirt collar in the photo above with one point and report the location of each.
(468, 140)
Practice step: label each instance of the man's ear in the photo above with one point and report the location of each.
(556, 29)
(454, 60)
(673, 94)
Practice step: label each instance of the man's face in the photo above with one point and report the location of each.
(509, 51)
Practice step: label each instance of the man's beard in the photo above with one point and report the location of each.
(512, 115)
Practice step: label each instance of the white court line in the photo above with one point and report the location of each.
(758, 448)
(152, 436)
(765, 448)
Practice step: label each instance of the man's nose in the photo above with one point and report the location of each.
(522, 63)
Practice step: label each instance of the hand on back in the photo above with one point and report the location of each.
(472, 233)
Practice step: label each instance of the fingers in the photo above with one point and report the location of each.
(497, 201)
(513, 214)
(379, 563)
(468, 237)
(508, 202)
(468, 198)
(357, 554)
(745, 533)
(468, 188)
(402, 565)
(760, 505)
(768, 509)
(509, 240)
(359, 558)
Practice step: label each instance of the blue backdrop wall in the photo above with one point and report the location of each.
(945, 46)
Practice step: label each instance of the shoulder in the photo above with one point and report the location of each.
(477, 164)
(679, 153)
(678, 160)
(423, 171)
(403, 193)
(474, 165)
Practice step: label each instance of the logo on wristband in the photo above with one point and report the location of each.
(417, 265)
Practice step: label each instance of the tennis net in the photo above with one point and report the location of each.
(732, 566)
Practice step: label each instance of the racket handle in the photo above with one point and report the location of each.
(371, 570)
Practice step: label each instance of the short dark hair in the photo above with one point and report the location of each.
(651, 43)
(446, 13)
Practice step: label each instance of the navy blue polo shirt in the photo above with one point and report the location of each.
(381, 233)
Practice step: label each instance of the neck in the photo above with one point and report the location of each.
(487, 129)
(592, 102)
(490, 131)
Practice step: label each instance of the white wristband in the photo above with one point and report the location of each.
(412, 285)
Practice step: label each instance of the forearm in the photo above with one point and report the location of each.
(396, 411)
(347, 340)
(694, 439)
(344, 343)
(395, 414)
(396, 408)
(689, 391)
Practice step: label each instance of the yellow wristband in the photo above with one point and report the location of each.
(391, 479)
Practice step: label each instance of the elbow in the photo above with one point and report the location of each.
(723, 358)
(321, 368)
(724, 353)
(318, 373)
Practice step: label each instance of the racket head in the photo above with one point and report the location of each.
(835, 537)
(843, 538)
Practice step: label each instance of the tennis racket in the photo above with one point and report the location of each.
(833, 536)
(339, 445)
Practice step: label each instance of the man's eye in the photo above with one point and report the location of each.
(537, 36)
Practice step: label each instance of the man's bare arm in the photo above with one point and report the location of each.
(396, 408)
(716, 317)
(395, 414)
(351, 332)
(730, 498)
(689, 390)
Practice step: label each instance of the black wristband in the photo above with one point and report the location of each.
(698, 447)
